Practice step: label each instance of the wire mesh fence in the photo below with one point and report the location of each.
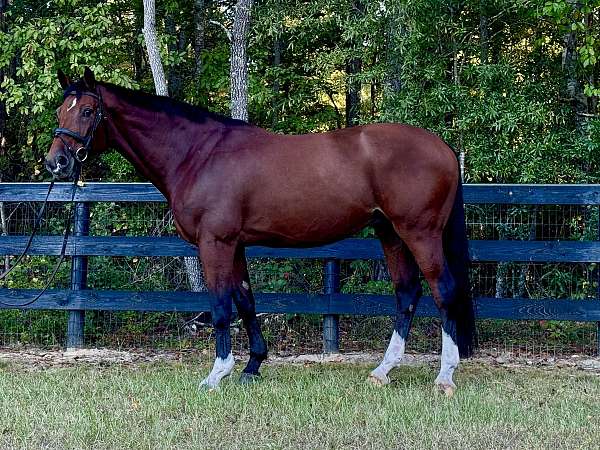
(292, 333)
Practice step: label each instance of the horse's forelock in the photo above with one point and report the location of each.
(78, 88)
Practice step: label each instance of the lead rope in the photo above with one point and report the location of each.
(62, 250)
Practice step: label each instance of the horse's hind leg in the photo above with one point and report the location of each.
(428, 252)
(244, 302)
(405, 276)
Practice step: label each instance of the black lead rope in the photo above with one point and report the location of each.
(36, 224)
(62, 250)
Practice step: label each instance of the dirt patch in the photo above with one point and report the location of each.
(38, 359)
(582, 362)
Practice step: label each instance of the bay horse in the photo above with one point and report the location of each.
(231, 185)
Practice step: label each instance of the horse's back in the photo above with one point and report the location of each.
(323, 180)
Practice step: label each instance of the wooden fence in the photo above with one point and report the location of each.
(331, 303)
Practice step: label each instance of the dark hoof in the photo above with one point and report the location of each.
(249, 378)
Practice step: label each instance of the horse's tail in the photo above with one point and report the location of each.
(456, 250)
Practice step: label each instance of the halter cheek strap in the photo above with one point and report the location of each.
(81, 153)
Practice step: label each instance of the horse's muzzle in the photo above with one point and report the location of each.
(60, 166)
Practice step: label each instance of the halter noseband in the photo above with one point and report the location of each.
(81, 153)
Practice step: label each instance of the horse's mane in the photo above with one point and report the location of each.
(159, 104)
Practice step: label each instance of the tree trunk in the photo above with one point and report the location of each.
(138, 52)
(174, 72)
(158, 73)
(456, 80)
(200, 7)
(521, 289)
(239, 60)
(3, 117)
(484, 34)
(4, 230)
(353, 86)
(353, 68)
(276, 85)
(574, 88)
(396, 31)
(192, 264)
(193, 270)
(593, 75)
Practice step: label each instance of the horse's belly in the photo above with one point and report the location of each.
(277, 230)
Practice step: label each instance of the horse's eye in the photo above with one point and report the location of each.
(87, 112)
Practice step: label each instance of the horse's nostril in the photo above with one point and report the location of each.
(62, 161)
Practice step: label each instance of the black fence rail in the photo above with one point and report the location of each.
(330, 303)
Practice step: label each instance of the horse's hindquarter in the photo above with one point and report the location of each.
(415, 175)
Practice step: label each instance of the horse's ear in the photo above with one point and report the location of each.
(63, 80)
(89, 78)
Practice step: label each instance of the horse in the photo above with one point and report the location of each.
(231, 185)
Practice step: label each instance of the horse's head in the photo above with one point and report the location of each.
(79, 119)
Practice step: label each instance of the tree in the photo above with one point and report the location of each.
(239, 60)
(192, 264)
(353, 69)
(200, 7)
(158, 72)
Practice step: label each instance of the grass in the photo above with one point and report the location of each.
(318, 406)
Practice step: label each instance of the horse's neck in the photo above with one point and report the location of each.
(146, 139)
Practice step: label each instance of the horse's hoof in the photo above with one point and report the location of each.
(447, 389)
(207, 387)
(377, 380)
(249, 378)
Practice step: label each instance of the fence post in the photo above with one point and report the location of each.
(79, 267)
(598, 291)
(331, 322)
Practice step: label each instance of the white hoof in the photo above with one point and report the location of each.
(378, 378)
(446, 386)
(221, 368)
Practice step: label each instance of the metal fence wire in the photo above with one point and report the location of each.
(293, 333)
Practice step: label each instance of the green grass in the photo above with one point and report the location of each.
(319, 406)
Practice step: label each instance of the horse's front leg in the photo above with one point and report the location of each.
(218, 263)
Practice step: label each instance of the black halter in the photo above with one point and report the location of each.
(82, 152)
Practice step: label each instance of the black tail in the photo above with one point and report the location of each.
(456, 250)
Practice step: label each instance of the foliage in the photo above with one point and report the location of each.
(498, 98)
(492, 77)
(38, 41)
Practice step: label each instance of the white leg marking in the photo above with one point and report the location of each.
(393, 356)
(449, 363)
(221, 368)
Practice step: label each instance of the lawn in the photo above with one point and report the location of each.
(312, 406)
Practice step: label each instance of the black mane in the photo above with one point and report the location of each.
(159, 104)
